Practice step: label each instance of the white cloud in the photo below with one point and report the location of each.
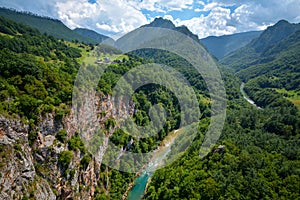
(161, 5)
(267, 11)
(210, 6)
(245, 16)
(114, 16)
(177, 4)
(106, 27)
(215, 23)
(201, 3)
(169, 17)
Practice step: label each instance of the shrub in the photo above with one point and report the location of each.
(61, 135)
(72, 173)
(85, 161)
(65, 158)
(110, 123)
(17, 147)
(76, 143)
(32, 136)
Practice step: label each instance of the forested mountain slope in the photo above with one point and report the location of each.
(257, 156)
(38, 73)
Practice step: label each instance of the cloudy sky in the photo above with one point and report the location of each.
(205, 18)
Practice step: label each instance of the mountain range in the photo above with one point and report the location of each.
(217, 46)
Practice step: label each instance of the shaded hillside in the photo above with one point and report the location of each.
(91, 34)
(47, 25)
(222, 45)
(256, 51)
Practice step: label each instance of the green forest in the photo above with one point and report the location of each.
(261, 155)
(37, 72)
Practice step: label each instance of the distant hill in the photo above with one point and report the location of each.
(258, 51)
(91, 34)
(47, 25)
(222, 45)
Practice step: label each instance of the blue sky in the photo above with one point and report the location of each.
(203, 17)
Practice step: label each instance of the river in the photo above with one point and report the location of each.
(137, 192)
(138, 189)
(246, 96)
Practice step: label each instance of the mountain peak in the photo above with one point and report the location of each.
(281, 22)
(161, 23)
(168, 24)
(274, 34)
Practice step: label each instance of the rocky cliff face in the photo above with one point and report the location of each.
(18, 174)
(33, 168)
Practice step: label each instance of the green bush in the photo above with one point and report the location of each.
(61, 135)
(110, 123)
(17, 147)
(25, 197)
(85, 161)
(32, 136)
(76, 143)
(72, 173)
(65, 158)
